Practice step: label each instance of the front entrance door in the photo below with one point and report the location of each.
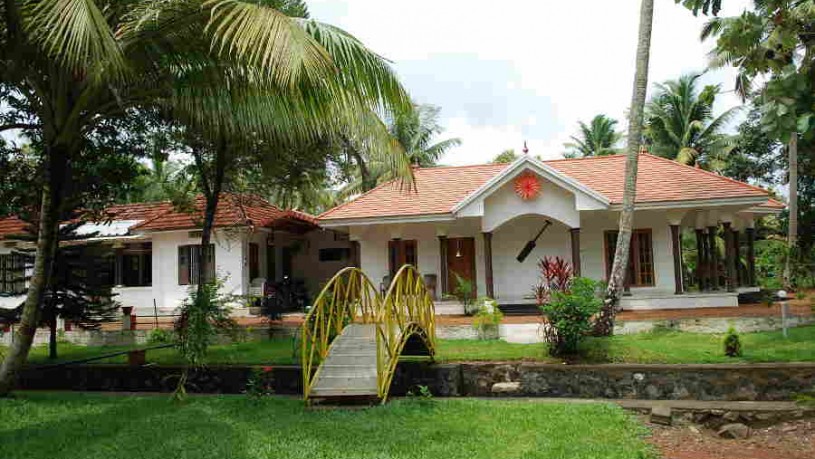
(461, 262)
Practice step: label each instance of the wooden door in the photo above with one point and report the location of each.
(461, 261)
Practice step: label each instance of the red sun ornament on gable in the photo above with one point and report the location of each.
(527, 186)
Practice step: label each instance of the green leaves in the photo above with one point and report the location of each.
(74, 32)
(267, 39)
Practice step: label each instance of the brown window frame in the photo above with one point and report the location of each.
(398, 254)
(187, 264)
(12, 274)
(254, 261)
(641, 265)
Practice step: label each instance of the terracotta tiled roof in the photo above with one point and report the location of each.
(658, 179)
(439, 189)
(233, 210)
(137, 211)
(773, 204)
(11, 226)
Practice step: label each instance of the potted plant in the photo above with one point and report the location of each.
(487, 319)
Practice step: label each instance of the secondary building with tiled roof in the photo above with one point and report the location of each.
(156, 247)
(473, 222)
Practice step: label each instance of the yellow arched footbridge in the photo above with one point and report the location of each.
(352, 338)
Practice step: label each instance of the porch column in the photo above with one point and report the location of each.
(443, 265)
(751, 256)
(575, 234)
(676, 244)
(356, 260)
(701, 259)
(488, 264)
(730, 262)
(713, 257)
(737, 257)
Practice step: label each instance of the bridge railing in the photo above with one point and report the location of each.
(348, 297)
(407, 310)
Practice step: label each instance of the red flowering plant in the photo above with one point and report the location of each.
(556, 275)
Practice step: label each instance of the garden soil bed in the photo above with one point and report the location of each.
(789, 440)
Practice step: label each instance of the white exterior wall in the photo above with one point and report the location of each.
(553, 201)
(592, 257)
(229, 265)
(374, 247)
(514, 281)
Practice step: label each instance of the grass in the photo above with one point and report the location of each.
(658, 347)
(110, 427)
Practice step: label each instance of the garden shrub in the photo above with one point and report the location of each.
(464, 293)
(732, 343)
(487, 319)
(202, 318)
(569, 314)
(159, 336)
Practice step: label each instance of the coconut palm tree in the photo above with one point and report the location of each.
(598, 138)
(229, 68)
(772, 42)
(416, 131)
(680, 125)
(604, 325)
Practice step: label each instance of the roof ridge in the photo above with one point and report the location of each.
(463, 166)
(585, 158)
(704, 171)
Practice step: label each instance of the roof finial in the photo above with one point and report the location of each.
(643, 149)
(526, 149)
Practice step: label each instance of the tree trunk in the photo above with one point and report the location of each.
(792, 226)
(43, 266)
(52, 338)
(211, 187)
(604, 326)
(368, 182)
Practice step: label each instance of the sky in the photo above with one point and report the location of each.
(510, 71)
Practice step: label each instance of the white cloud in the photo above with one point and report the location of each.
(515, 70)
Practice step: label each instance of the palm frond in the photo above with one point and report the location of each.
(76, 33)
(266, 39)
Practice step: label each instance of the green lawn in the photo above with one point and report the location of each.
(78, 426)
(663, 347)
(659, 347)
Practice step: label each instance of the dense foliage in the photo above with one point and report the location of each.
(569, 315)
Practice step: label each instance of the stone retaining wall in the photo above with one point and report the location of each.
(758, 382)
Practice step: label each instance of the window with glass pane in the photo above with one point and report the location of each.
(12, 274)
(136, 265)
(640, 258)
(190, 258)
(400, 253)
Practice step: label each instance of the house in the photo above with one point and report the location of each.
(472, 221)
(157, 250)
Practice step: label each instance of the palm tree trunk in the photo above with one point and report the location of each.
(43, 266)
(792, 227)
(604, 325)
